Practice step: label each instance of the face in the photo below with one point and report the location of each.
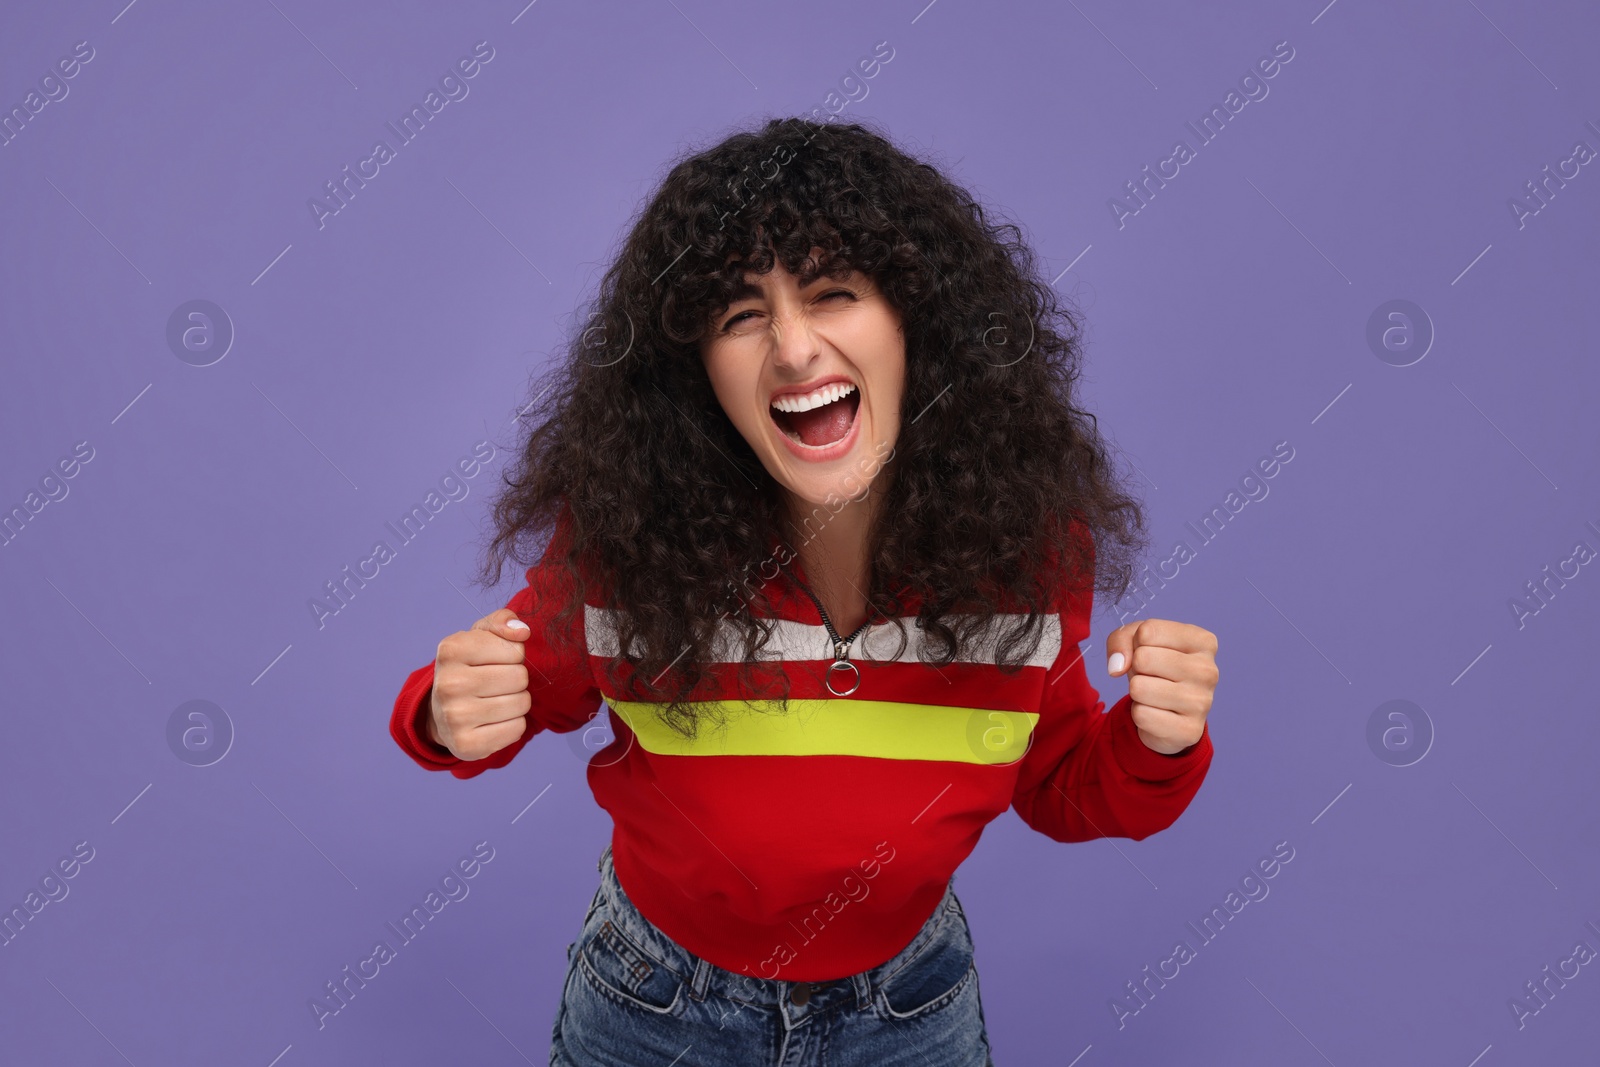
(812, 377)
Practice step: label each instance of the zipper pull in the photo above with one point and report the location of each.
(841, 660)
(841, 652)
(841, 647)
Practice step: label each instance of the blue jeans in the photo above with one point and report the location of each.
(635, 998)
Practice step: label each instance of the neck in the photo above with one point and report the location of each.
(832, 547)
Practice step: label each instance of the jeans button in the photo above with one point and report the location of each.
(800, 995)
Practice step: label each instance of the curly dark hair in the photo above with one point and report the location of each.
(1001, 489)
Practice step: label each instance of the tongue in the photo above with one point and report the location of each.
(824, 425)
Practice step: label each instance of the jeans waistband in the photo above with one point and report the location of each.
(704, 977)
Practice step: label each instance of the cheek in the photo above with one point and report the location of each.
(883, 364)
(748, 420)
(735, 390)
(892, 381)
(719, 373)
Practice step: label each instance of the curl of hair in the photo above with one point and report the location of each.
(1003, 495)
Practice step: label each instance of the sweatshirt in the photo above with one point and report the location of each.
(814, 845)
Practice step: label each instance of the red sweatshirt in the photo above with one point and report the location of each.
(814, 845)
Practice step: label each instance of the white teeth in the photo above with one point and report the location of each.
(826, 395)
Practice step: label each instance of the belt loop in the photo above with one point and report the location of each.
(608, 881)
(863, 990)
(700, 979)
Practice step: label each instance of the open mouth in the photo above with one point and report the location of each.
(819, 419)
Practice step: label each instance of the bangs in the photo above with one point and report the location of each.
(741, 224)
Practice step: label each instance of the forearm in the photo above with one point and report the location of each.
(1113, 784)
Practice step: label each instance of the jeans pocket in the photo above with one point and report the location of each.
(936, 975)
(616, 967)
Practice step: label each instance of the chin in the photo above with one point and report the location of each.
(849, 486)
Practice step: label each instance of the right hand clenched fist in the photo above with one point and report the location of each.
(480, 687)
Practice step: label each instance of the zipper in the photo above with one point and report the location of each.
(841, 646)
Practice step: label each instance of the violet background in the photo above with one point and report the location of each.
(1228, 315)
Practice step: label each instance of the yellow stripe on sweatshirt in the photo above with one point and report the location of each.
(839, 727)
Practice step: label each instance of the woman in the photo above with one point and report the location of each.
(825, 525)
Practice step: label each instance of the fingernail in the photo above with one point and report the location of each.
(1114, 664)
(516, 624)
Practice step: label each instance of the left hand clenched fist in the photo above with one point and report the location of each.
(1172, 674)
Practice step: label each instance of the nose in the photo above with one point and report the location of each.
(795, 342)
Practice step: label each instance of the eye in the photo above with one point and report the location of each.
(731, 323)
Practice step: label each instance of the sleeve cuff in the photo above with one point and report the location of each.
(416, 735)
(1144, 762)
